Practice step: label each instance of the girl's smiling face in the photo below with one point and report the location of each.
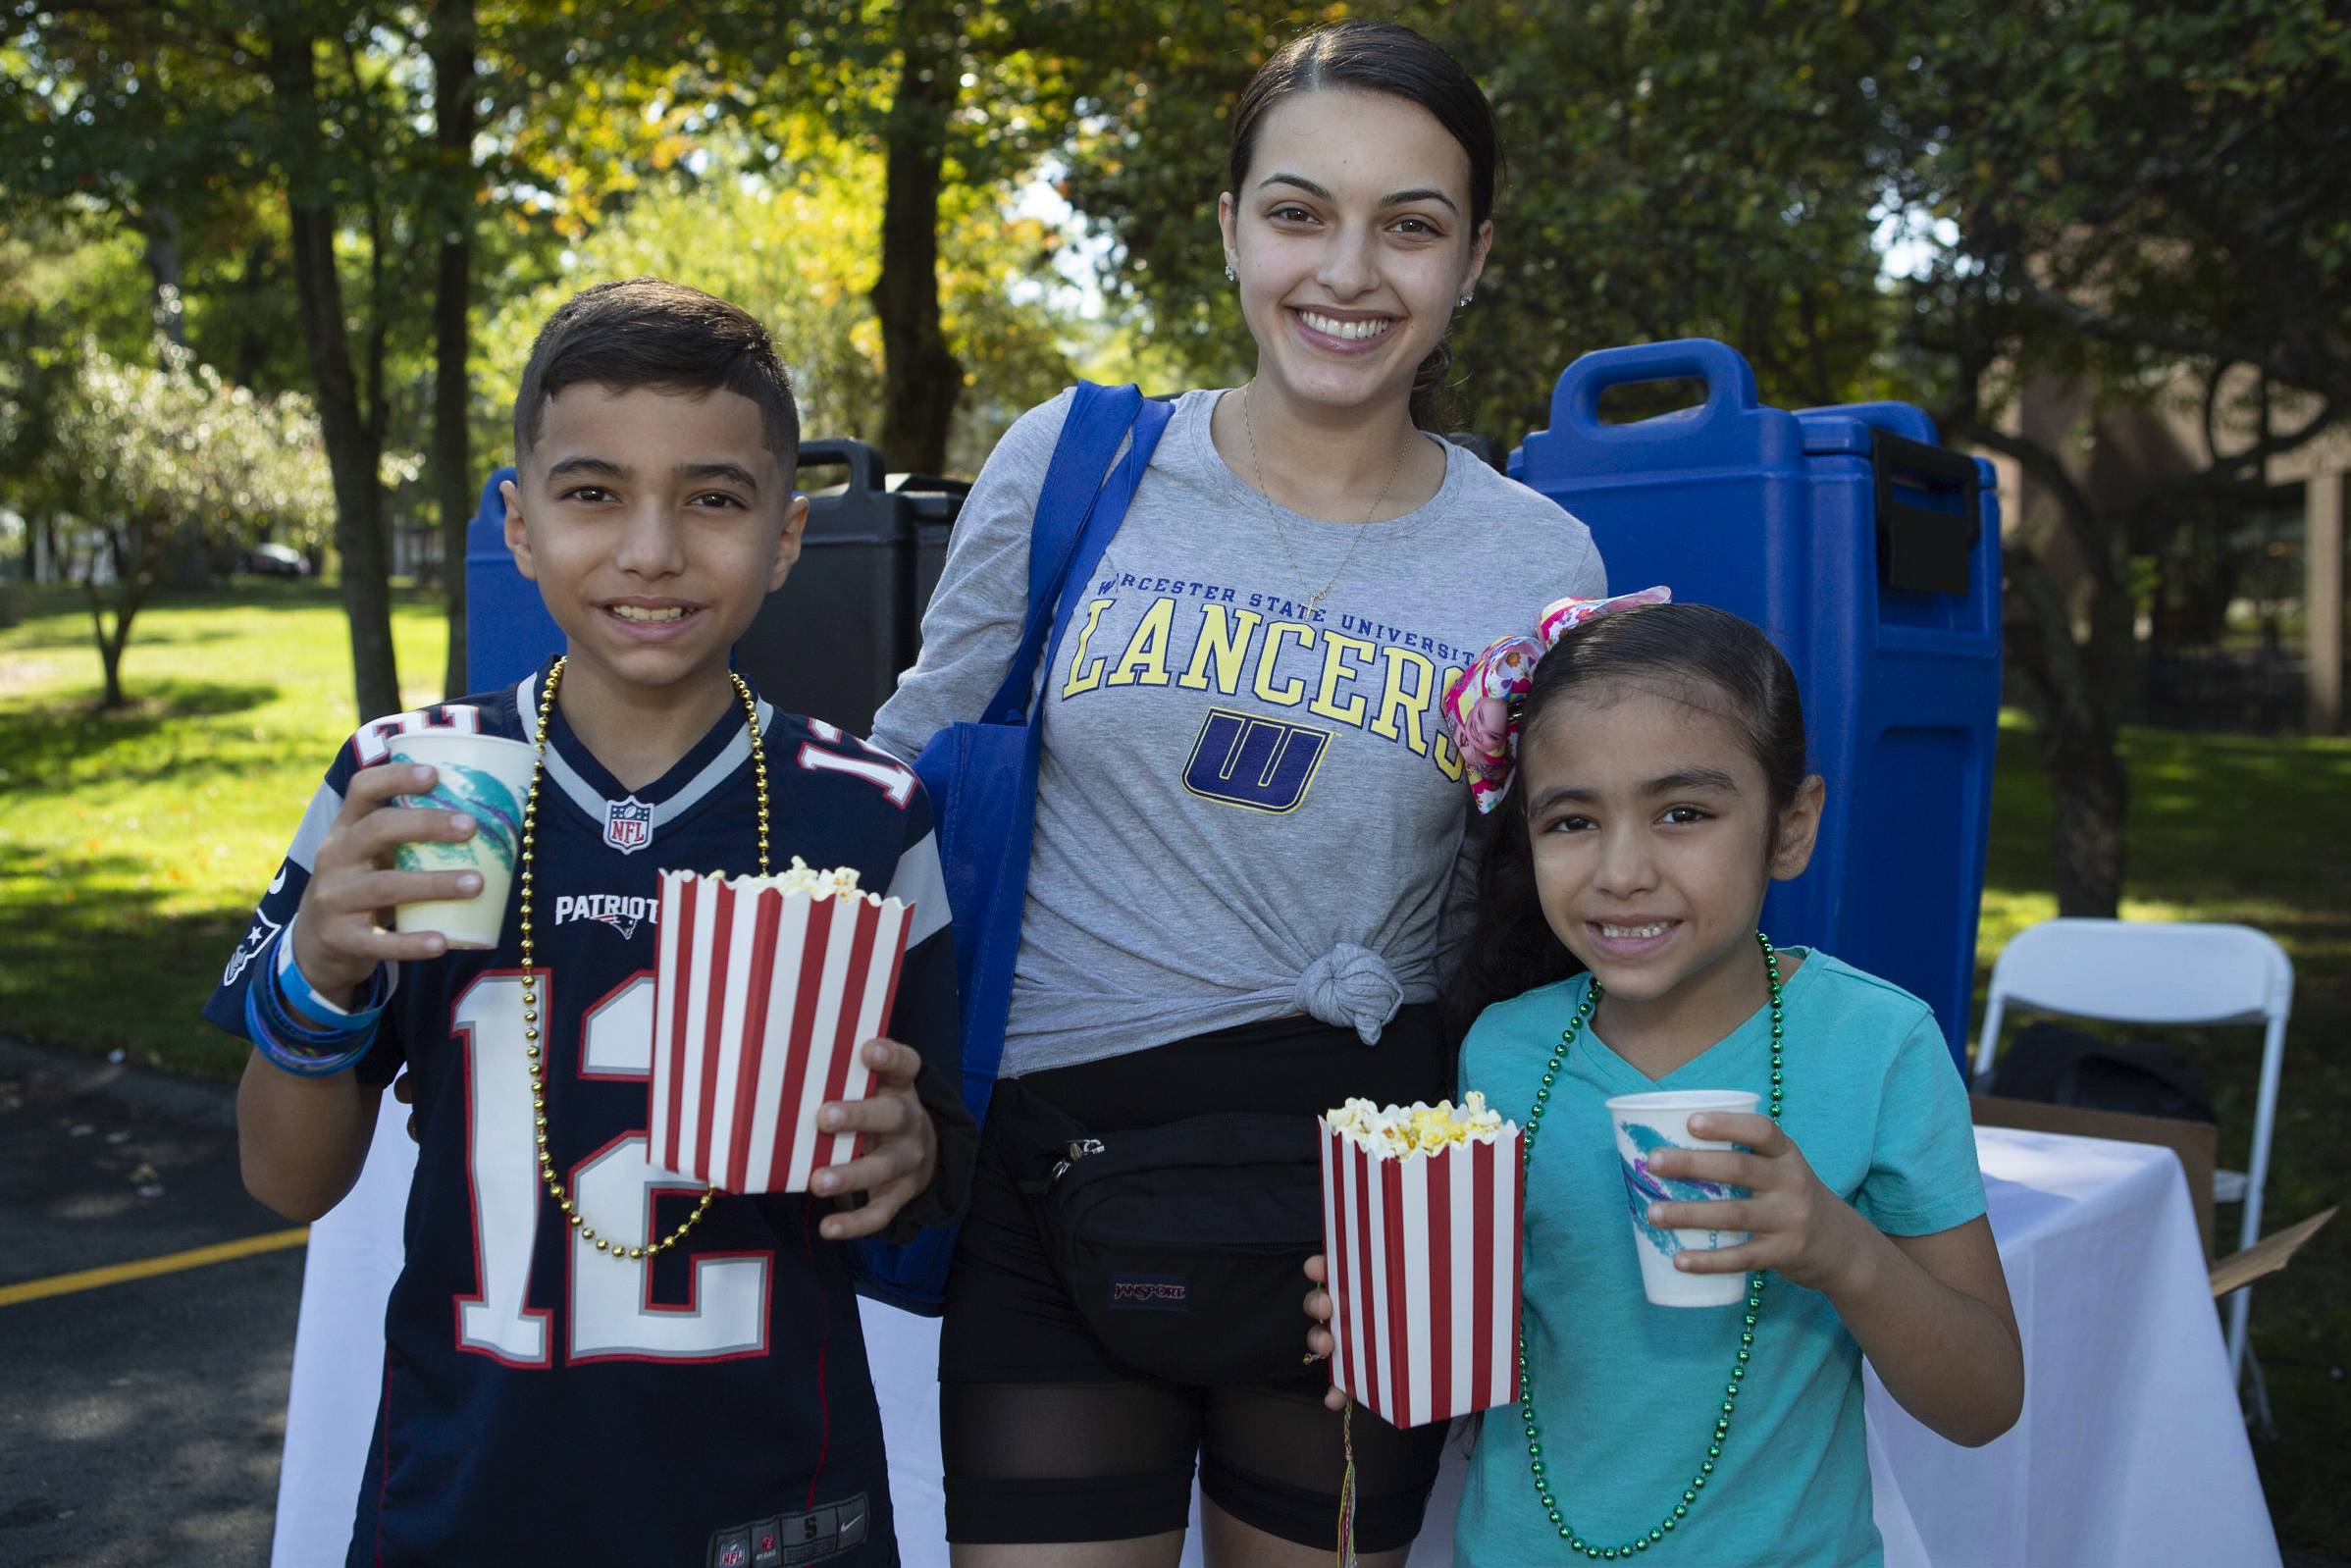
(1655, 840)
(1352, 240)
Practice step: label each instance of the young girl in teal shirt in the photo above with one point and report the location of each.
(1660, 788)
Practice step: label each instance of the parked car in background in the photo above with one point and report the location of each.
(277, 560)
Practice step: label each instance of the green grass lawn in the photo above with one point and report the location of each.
(133, 846)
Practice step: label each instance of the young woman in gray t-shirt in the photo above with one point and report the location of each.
(1249, 814)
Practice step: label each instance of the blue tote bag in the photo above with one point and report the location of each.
(982, 777)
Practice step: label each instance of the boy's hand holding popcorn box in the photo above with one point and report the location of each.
(1422, 1210)
(766, 987)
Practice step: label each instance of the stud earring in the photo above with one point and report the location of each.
(1231, 275)
(1463, 302)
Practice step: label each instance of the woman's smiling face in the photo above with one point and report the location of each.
(1352, 241)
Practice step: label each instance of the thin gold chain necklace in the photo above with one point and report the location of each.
(1258, 471)
(530, 974)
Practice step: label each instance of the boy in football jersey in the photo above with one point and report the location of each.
(587, 1359)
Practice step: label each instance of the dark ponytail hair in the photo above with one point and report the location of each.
(1381, 57)
(1708, 655)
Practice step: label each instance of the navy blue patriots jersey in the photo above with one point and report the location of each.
(544, 1402)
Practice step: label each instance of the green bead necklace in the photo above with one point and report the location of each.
(1746, 1337)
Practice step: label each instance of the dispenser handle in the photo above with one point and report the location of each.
(862, 461)
(1730, 388)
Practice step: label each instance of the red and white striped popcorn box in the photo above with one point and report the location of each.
(1422, 1253)
(761, 1002)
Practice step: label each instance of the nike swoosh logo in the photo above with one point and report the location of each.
(277, 882)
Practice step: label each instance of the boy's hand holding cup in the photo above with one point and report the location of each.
(337, 940)
(484, 778)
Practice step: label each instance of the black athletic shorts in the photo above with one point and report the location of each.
(1049, 1437)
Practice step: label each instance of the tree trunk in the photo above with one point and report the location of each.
(354, 448)
(160, 224)
(134, 552)
(2078, 689)
(110, 649)
(2074, 735)
(452, 457)
(2090, 793)
(922, 378)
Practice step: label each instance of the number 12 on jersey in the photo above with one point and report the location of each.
(611, 1314)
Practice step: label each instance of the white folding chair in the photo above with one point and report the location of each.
(2131, 971)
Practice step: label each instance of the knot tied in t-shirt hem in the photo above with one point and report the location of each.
(1350, 987)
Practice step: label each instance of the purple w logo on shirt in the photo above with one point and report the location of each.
(1262, 764)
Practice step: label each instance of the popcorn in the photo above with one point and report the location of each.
(765, 990)
(1423, 1208)
(839, 882)
(1400, 1131)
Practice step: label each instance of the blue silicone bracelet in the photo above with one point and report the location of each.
(296, 988)
(300, 1061)
(292, 1044)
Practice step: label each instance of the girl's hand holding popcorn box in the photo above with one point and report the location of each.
(766, 986)
(1422, 1213)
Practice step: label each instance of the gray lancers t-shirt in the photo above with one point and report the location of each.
(1246, 809)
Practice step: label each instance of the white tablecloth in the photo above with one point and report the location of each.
(2132, 1451)
(2130, 1454)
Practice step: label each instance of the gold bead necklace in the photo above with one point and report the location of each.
(530, 974)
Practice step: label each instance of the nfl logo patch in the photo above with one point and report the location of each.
(628, 825)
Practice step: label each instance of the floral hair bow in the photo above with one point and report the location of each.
(1481, 704)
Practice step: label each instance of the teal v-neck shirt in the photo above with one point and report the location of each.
(1627, 1393)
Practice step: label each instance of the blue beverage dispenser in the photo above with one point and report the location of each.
(1870, 554)
(507, 629)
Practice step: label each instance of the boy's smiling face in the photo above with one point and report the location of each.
(655, 523)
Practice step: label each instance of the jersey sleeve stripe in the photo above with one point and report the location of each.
(920, 883)
(316, 819)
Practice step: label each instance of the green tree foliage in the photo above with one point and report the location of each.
(321, 175)
(141, 456)
(957, 97)
(2137, 192)
(1686, 170)
(2144, 197)
(67, 280)
(800, 249)
(154, 109)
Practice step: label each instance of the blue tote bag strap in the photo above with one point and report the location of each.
(1079, 489)
(982, 777)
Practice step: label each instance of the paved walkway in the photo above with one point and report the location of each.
(142, 1421)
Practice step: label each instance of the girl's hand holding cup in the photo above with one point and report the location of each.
(340, 934)
(1799, 1226)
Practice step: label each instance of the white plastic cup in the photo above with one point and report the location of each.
(1645, 1123)
(489, 779)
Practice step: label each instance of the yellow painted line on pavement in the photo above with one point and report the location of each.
(60, 1284)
